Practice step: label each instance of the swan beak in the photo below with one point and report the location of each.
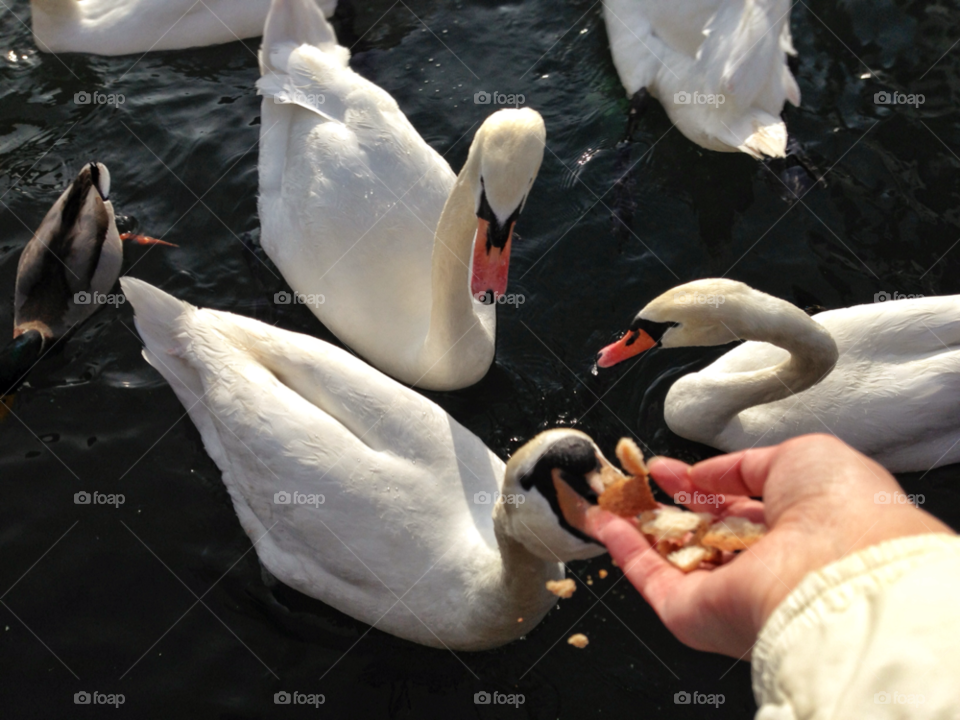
(490, 264)
(145, 240)
(630, 345)
(573, 505)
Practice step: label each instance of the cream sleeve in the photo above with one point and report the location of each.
(875, 635)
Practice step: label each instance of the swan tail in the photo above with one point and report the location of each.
(765, 136)
(161, 319)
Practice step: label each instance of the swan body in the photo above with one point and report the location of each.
(685, 53)
(406, 536)
(359, 213)
(121, 27)
(884, 377)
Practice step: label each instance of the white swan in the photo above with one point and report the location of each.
(360, 213)
(684, 53)
(885, 378)
(406, 536)
(121, 27)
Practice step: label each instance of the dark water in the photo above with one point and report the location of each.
(119, 590)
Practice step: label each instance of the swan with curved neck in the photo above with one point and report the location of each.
(422, 530)
(404, 259)
(883, 377)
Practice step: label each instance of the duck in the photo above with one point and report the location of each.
(718, 67)
(124, 27)
(65, 272)
(883, 377)
(404, 261)
(360, 492)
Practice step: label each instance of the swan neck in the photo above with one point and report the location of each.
(720, 398)
(453, 311)
(524, 575)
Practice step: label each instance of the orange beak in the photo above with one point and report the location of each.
(145, 240)
(572, 505)
(630, 345)
(490, 267)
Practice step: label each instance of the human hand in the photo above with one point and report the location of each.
(819, 505)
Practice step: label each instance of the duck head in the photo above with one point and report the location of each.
(506, 153)
(559, 475)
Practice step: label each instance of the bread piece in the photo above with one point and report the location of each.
(689, 558)
(630, 457)
(673, 524)
(578, 640)
(628, 497)
(562, 588)
(733, 533)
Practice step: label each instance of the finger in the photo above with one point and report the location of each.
(673, 476)
(650, 574)
(739, 473)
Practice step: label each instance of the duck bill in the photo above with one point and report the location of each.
(145, 240)
(491, 263)
(630, 345)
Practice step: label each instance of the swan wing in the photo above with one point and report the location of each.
(897, 330)
(646, 36)
(743, 55)
(283, 412)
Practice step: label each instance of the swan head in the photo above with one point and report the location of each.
(707, 312)
(506, 154)
(559, 474)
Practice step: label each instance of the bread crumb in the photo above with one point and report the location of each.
(688, 559)
(578, 640)
(732, 534)
(602, 574)
(519, 619)
(562, 588)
